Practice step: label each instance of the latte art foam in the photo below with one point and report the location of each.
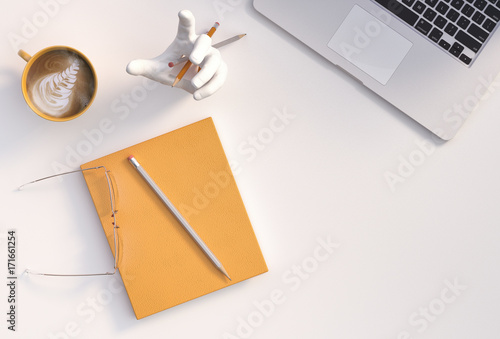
(60, 83)
(53, 92)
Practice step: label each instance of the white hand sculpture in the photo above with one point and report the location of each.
(213, 71)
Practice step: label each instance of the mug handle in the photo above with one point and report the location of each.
(24, 55)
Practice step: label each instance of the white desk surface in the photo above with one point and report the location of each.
(417, 262)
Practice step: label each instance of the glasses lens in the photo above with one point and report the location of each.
(113, 196)
(104, 198)
(113, 192)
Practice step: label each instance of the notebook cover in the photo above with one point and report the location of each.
(160, 265)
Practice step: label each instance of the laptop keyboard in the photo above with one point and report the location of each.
(461, 27)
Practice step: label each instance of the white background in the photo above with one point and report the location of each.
(322, 176)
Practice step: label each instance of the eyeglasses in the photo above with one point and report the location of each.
(113, 195)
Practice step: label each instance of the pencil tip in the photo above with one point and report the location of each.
(176, 81)
(225, 273)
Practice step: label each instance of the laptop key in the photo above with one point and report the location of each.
(478, 17)
(423, 26)
(451, 29)
(442, 8)
(430, 14)
(493, 13)
(452, 15)
(456, 49)
(440, 22)
(478, 33)
(468, 10)
(480, 4)
(399, 10)
(468, 41)
(465, 59)
(435, 35)
(419, 7)
(489, 25)
(444, 44)
(454, 52)
(431, 3)
(463, 22)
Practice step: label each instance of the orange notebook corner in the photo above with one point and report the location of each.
(160, 265)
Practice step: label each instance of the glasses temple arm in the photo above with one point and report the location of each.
(20, 188)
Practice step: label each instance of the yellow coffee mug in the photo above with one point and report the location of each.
(65, 80)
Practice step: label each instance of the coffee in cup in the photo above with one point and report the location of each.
(59, 83)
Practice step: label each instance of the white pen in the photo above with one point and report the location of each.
(178, 215)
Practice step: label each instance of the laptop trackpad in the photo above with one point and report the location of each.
(370, 44)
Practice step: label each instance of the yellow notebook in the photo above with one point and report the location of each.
(160, 265)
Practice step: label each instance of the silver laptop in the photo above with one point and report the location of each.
(432, 59)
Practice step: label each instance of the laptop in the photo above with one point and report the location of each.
(432, 59)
